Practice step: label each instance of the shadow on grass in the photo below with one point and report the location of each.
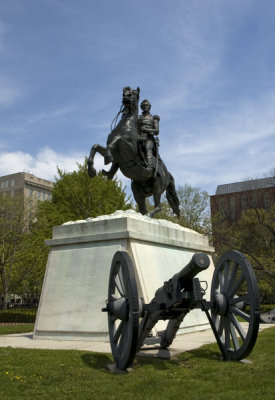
(99, 361)
(181, 359)
(96, 360)
(206, 354)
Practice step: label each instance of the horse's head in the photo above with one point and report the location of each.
(130, 98)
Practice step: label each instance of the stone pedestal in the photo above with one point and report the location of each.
(77, 275)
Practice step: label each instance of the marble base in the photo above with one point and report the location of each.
(77, 275)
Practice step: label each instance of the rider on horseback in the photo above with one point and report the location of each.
(148, 173)
(148, 126)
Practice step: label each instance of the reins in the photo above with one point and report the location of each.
(116, 117)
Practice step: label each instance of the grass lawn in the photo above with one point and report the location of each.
(198, 374)
(10, 329)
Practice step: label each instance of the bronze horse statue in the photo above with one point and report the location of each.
(123, 150)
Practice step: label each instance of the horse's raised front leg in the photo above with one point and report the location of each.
(110, 174)
(95, 149)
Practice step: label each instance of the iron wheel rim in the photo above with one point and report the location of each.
(123, 326)
(235, 299)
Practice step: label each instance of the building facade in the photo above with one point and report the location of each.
(26, 186)
(232, 199)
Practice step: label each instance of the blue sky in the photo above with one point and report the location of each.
(207, 67)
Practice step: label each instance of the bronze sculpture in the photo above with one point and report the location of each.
(148, 172)
(148, 126)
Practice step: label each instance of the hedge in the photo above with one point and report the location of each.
(18, 315)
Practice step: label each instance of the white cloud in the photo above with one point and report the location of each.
(44, 163)
(237, 144)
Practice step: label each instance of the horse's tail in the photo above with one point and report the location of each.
(172, 197)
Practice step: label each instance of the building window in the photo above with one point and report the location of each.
(12, 182)
(2, 185)
(30, 192)
(266, 200)
(6, 184)
(43, 196)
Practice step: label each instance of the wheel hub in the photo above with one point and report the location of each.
(220, 304)
(120, 308)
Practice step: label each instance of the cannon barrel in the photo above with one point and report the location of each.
(183, 279)
(198, 263)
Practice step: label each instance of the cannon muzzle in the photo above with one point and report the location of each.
(198, 263)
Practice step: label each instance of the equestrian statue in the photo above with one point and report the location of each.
(133, 148)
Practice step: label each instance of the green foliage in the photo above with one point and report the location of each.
(14, 243)
(76, 196)
(254, 235)
(196, 374)
(194, 209)
(23, 254)
(18, 315)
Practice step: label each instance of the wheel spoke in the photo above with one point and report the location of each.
(234, 337)
(235, 300)
(123, 332)
(232, 275)
(227, 333)
(236, 286)
(118, 331)
(237, 325)
(221, 280)
(113, 318)
(121, 280)
(118, 286)
(226, 275)
(124, 337)
(240, 313)
(221, 326)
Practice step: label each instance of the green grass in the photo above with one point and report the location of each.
(198, 374)
(11, 329)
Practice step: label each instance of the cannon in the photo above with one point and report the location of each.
(233, 310)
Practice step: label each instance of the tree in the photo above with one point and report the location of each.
(194, 209)
(254, 235)
(14, 230)
(75, 196)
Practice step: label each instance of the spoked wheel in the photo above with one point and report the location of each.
(123, 310)
(236, 306)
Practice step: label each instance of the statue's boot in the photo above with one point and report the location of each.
(150, 161)
(110, 174)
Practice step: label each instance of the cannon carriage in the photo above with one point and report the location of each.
(233, 310)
